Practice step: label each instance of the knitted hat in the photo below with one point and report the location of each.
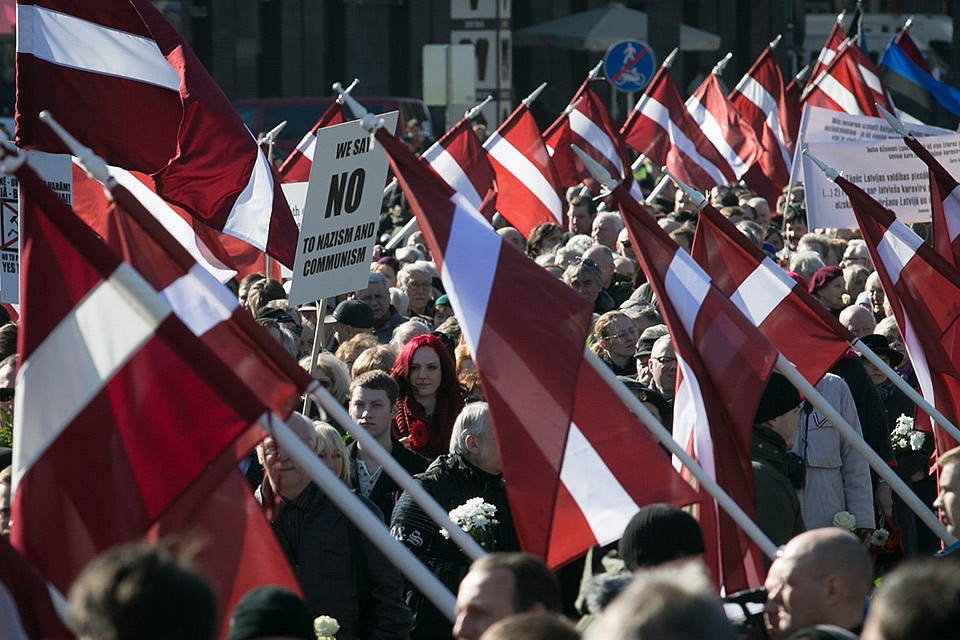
(822, 276)
(660, 533)
(270, 612)
(778, 398)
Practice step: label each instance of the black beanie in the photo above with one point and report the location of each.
(660, 533)
(270, 611)
(778, 398)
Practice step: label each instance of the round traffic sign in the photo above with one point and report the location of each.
(629, 65)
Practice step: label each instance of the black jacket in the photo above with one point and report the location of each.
(386, 491)
(343, 574)
(451, 480)
(778, 507)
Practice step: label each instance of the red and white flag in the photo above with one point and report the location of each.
(207, 308)
(723, 125)
(945, 203)
(723, 364)
(661, 128)
(759, 97)
(590, 126)
(576, 463)
(528, 189)
(922, 289)
(296, 168)
(460, 159)
(801, 329)
(792, 109)
(828, 52)
(850, 83)
(110, 380)
(119, 77)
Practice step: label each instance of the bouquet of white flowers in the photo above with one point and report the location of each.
(476, 517)
(904, 437)
(326, 627)
(845, 520)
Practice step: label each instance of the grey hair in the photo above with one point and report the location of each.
(617, 221)
(421, 267)
(474, 420)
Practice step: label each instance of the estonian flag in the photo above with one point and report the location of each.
(916, 92)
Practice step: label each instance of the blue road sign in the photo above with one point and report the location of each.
(629, 65)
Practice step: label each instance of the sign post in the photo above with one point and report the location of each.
(339, 224)
(629, 66)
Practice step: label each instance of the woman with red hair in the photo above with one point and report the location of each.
(430, 397)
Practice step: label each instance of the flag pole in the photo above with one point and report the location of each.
(849, 433)
(318, 339)
(270, 138)
(399, 474)
(909, 391)
(665, 438)
(660, 432)
(657, 190)
(857, 442)
(722, 64)
(362, 517)
(474, 110)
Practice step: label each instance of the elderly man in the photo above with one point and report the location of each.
(586, 278)
(385, 316)
(822, 576)
(341, 573)
(500, 585)
(663, 366)
(858, 320)
(606, 227)
(471, 470)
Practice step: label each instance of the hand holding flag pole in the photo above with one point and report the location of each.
(660, 432)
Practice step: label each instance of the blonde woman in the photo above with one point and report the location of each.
(332, 451)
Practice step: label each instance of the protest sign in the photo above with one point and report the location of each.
(56, 171)
(342, 210)
(870, 154)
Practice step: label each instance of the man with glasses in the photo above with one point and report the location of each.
(663, 367)
(386, 318)
(822, 576)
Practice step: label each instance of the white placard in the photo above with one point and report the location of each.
(339, 224)
(886, 169)
(296, 195)
(54, 169)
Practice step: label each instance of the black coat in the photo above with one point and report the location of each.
(451, 480)
(386, 492)
(343, 574)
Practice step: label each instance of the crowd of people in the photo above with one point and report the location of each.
(393, 355)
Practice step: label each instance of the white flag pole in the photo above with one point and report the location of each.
(369, 444)
(658, 430)
(858, 443)
(909, 391)
(365, 520)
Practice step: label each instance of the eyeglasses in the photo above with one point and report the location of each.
(585, 261)
(420, 286)
(664, 360)
(624, 336)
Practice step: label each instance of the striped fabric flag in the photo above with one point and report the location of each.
(922, 289)
(119, 77)
(296, 168)
(528, 189)
(576, 464)
(723, 364)
(661, 128)
(460, 159)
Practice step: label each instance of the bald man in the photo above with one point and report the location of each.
(858, 320)
(822, 576)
